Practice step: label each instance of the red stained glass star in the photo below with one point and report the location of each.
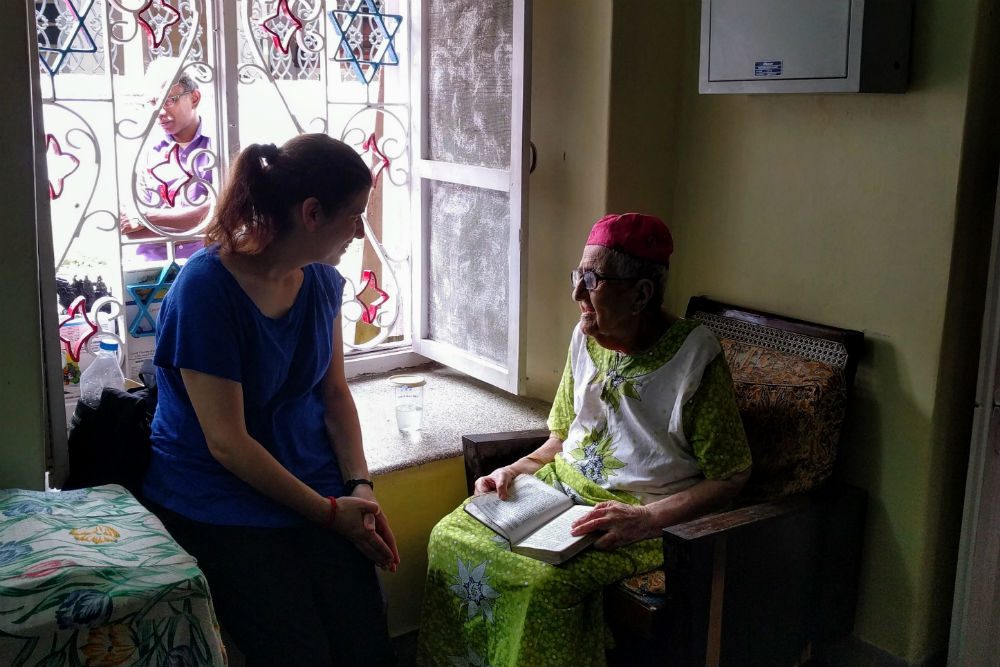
(171, 175)
(370, 281)
(60, 165)
(157, 30)
(286, 24)
(381, 161)
(73, 347)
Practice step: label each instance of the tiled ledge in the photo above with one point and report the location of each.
(454, 405)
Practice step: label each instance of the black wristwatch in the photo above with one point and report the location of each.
(352, 484)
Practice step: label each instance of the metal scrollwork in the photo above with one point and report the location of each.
(120, 42)
(394, 143)
(354, 310)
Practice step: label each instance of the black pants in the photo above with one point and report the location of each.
(290, 597)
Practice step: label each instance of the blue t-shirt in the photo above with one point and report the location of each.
(207, 323)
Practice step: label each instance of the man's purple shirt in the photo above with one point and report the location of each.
(149, 187)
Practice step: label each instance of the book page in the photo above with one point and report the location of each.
(530, 504)
(555, 536)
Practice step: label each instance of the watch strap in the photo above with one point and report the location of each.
(352, 484)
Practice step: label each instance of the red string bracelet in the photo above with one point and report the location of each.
(333, 512)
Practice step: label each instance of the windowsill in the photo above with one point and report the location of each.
(454, 405)
(382, 361)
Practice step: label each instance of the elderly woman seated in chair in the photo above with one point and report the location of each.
(644, 428)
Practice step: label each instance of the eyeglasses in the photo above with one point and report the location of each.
(171, 100)
(591, 279)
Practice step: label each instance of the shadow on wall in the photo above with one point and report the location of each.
(958, 372)
(864, 461)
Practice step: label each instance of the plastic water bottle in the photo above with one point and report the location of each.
(102, 372)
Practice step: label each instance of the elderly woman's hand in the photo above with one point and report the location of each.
(499, 480)
(621, 524)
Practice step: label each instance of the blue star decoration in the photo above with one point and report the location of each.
(75, 39)
(145, 295)
(381, 54)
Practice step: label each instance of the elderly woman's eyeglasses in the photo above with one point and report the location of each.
(591, 279)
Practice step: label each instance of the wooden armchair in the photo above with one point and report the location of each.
(763, 583)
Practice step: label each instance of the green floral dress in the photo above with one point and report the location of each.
(635, 429)
(90, 578)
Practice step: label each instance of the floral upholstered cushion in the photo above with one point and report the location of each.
(648, 586)
(792, 409)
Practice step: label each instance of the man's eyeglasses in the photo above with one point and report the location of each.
(591, 279)
(171, 100)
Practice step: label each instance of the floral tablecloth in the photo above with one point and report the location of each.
(90, 578)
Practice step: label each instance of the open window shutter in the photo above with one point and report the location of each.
(470, 190)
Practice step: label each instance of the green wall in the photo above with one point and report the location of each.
(22, 413)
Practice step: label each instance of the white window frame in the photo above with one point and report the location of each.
(513, 181)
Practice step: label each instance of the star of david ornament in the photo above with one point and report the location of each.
(73, 37)
(145, 295)
(348, 23)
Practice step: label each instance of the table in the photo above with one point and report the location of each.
(91, 578)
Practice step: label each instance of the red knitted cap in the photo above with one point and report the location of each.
(636, 234)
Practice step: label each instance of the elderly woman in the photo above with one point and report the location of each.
(644, 428)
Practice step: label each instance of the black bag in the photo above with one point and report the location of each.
(110, 444)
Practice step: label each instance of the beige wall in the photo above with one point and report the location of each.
(840, 209)
(571, 63)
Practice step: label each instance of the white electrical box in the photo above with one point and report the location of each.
(805, 46)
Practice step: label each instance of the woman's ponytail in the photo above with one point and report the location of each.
(244, 216)
(265, 181)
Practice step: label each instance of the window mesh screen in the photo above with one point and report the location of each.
(469, 47)
(467, 268)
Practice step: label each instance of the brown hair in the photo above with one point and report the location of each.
(265, 182)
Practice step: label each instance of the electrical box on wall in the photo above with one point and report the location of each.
(805, 46)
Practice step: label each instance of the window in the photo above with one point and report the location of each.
(431, 93)
(470, 194)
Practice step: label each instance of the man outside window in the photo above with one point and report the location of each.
(169, 201)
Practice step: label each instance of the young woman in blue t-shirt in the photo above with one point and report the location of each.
(258, 468)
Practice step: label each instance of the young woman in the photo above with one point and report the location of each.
(258, 468)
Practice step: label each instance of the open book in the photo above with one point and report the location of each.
(535, 519)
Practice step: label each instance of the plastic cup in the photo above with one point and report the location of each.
(409, 402)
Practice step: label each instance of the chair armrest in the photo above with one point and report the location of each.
(790, 563)
(485, 452)
(710, 561)
(712, 525)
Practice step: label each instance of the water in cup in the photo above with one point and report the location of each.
(408, 417)
(409, 391)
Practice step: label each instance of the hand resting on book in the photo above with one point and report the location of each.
(500, 479)
(622, 524)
